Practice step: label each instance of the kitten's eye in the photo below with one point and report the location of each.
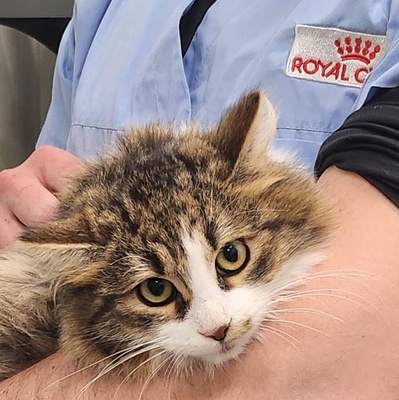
(232, 258)
(156, 292)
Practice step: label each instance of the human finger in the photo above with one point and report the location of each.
(52, 166)
(10, 228)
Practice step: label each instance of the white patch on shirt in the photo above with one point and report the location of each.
(333, 55)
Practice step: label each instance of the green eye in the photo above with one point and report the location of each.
(156, 292)
(232, 258)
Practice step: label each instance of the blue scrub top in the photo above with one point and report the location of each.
(120, 65)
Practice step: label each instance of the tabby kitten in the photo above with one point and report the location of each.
(169, 251)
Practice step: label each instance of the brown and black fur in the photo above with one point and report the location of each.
(71, 283)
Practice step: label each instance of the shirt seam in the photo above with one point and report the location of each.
(98, 127)
(288, 128)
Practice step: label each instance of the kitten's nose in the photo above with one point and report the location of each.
(219, 333)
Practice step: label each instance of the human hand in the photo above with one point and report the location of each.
(28, 193)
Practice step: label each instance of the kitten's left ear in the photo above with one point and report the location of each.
(245, 133)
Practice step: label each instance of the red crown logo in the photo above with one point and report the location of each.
(360, 51)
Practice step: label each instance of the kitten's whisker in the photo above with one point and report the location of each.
(85, 368)
(354, 271)
(152, 375)
(328, 290)
(327, 293)
(116, 363)
(289, 296)
(168, 374)
(137, 368)
(177, 364)
(307, 310)
(284, 335)
(170, 367)
(287, 321)
(346, 271)
(352, 277)
(347, 275)
(266, 320)
(128, 356)
(177, 368)
(284, 288)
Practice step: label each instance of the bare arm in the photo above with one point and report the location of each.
(354, 354)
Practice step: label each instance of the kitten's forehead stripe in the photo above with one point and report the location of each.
(126, 216)
(210, 234)
(154, 262)
(273, 225)
(279, 223)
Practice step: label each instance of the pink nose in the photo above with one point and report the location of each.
(218, 334)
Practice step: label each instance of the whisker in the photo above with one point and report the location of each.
(287, 321)
(344, 272)
(284, 288)
(326, 293)
(85, 368)
(168, 374)
(152, 375)
(135, 369)
(353, 276)
(283, 335)
(307, 310)
(326, 274)
(127, 356)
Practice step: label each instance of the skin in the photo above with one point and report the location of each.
(348, 349)
(28, 193)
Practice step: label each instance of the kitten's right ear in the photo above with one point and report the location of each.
(65, 251)
(245, 133)
(64, 264)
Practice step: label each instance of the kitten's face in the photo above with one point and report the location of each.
(176, 249)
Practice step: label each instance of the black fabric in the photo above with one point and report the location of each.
(368, 144)
(190, 22)
(47, 31)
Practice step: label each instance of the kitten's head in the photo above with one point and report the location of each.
(177, 246)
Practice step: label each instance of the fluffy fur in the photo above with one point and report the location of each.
(163, 206)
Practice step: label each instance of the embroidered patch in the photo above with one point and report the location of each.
(333, 55)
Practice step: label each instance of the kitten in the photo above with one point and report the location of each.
(171, 250)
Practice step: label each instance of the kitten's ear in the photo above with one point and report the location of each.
(65, 250)
(245, 133)
(64, 264)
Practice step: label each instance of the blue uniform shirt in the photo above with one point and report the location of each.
(120, 65)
